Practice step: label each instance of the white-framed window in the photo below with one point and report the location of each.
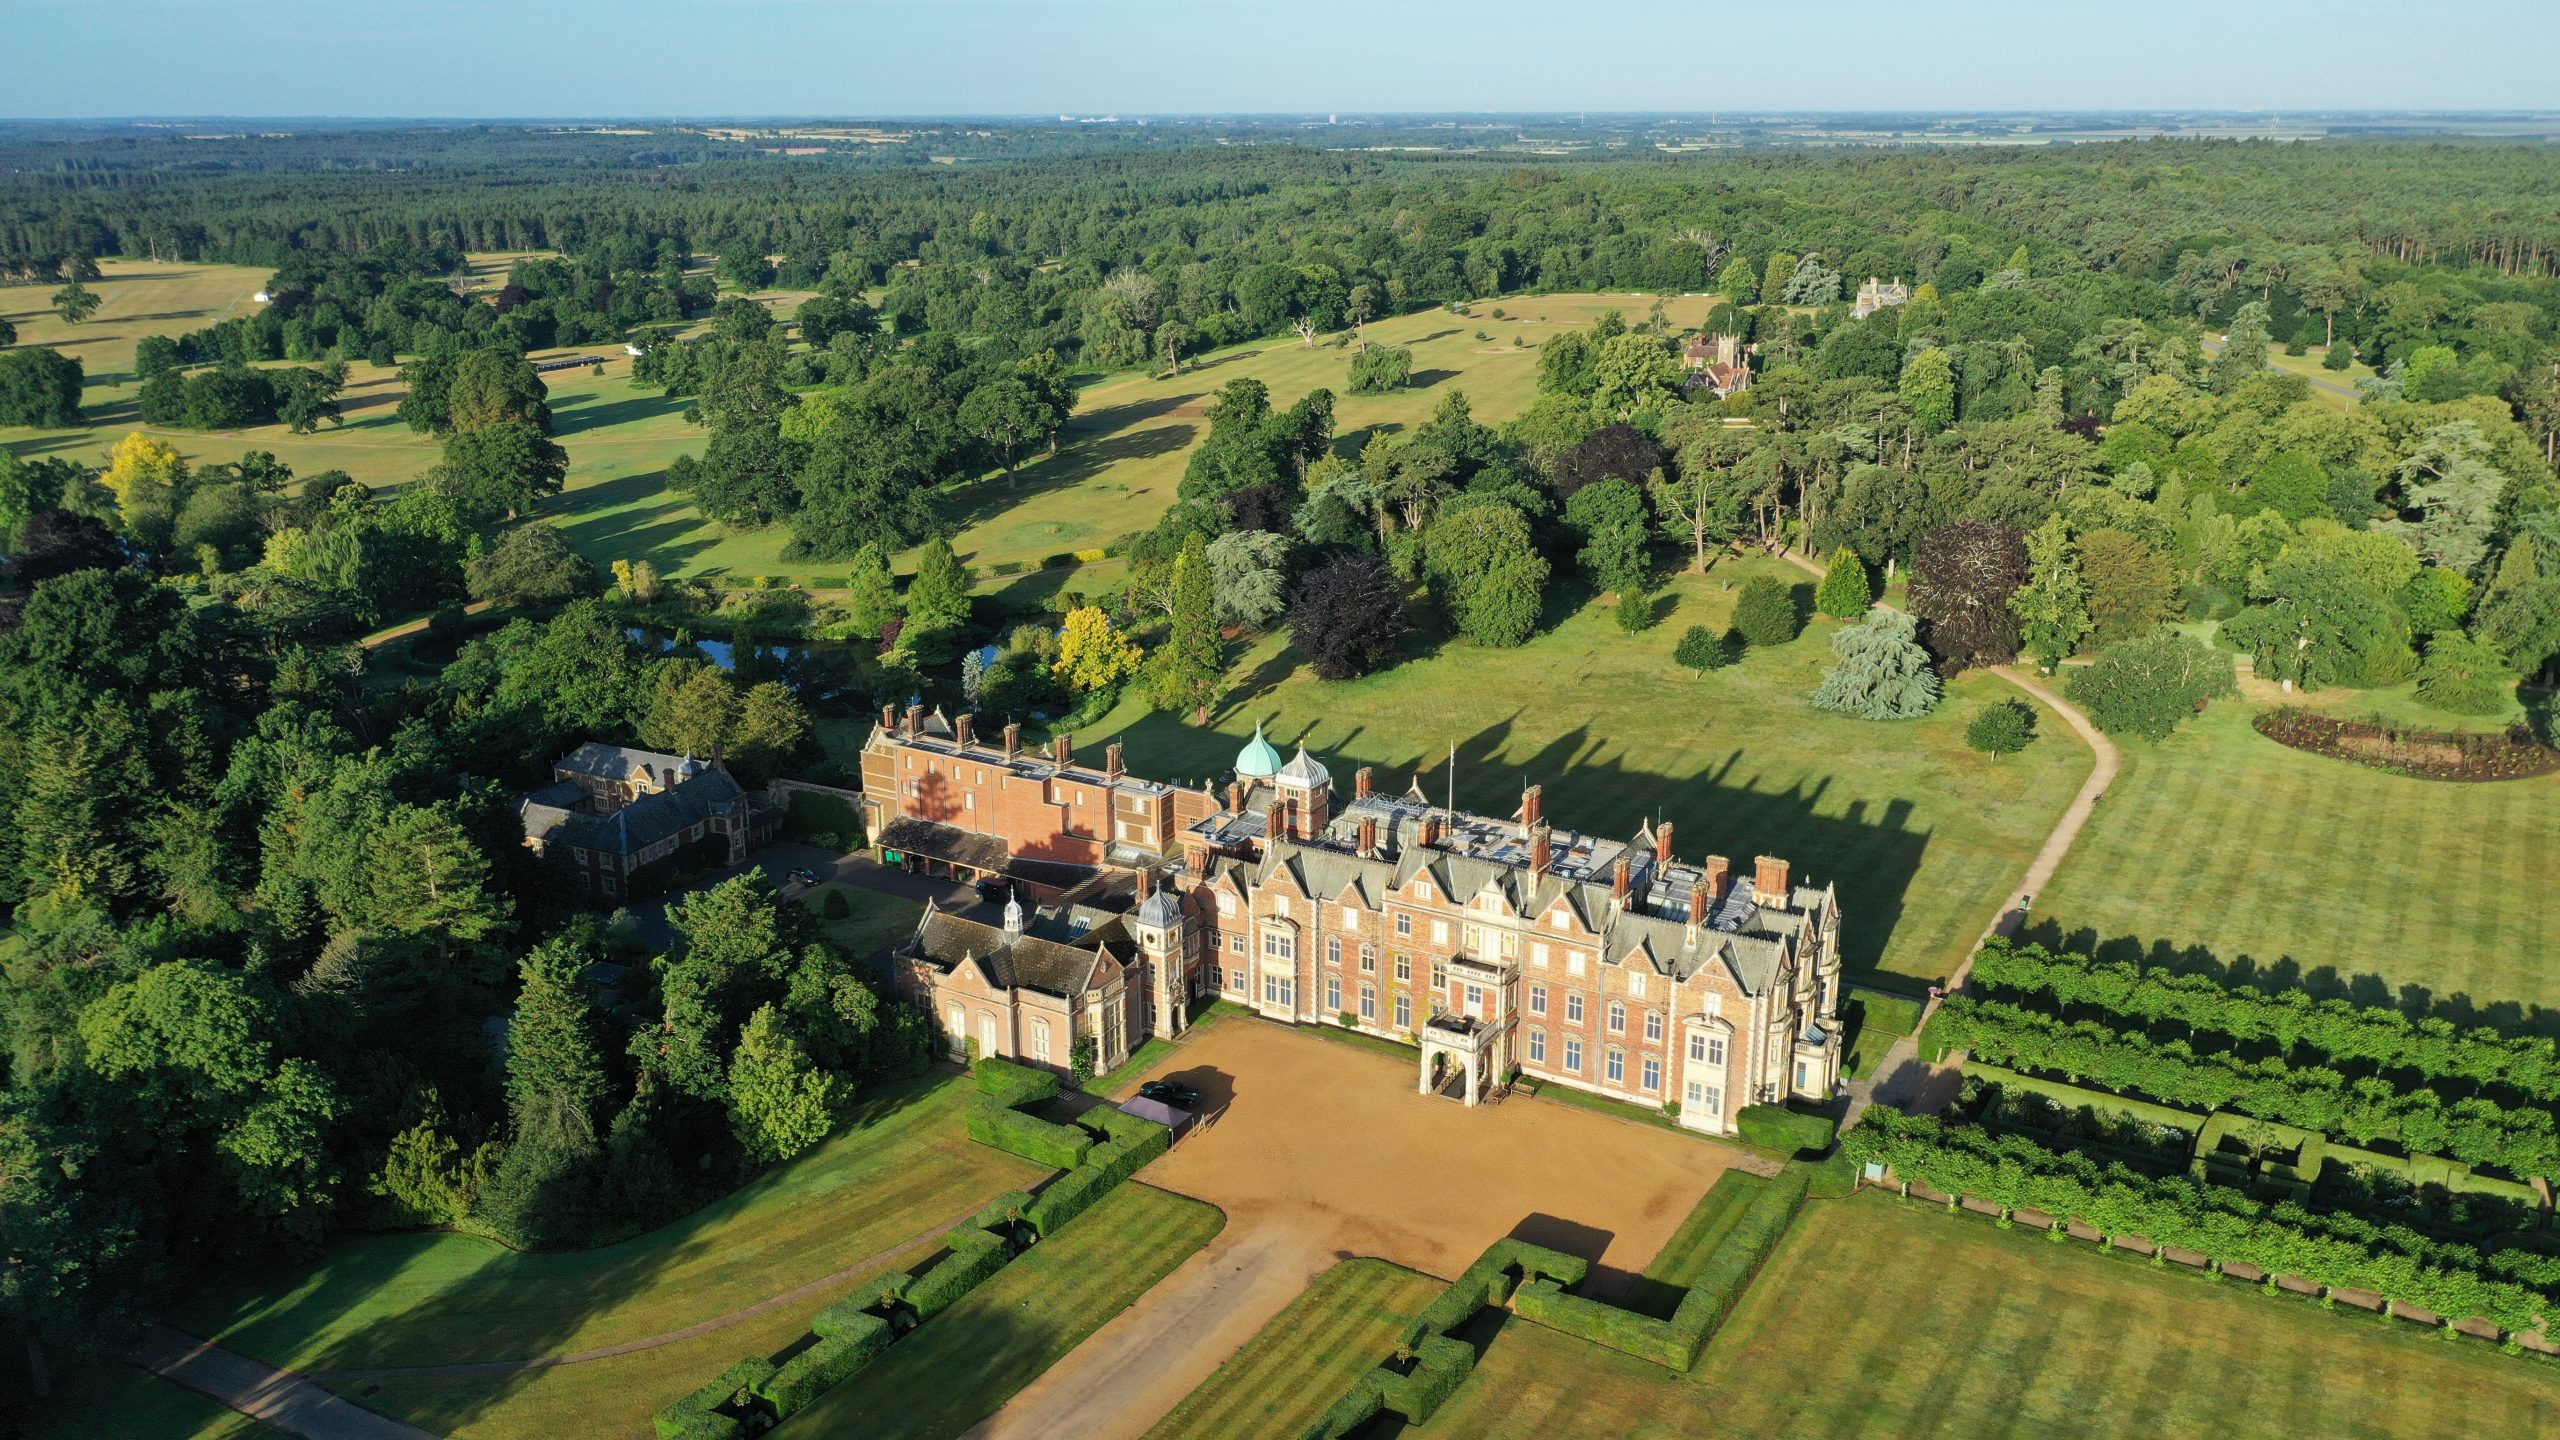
(1572, 1055)
(1804, 1075)
(1652, 1073)
(1715, 1050)
(1475, 998)
(1440, 932)
(1560, 919)
(1404, 924)
(1537, 999)
(1635, 983)
(1573, 1007)
(1617, 1017)
(1653, 1027)
(1278, 944)
(1279, 904)
(1368, 1002)
(1333, 994)
(1574, 960)
(1333, 949)
(1714, 1103)
(1697, 1047)
(1697, 1096)
(1280, 990)
(1235, 943)
(968, 799)
(986, 1033)
(1538, 1046)
(1350, 918)
(1538, 953)
(1404, 966)
(1421, 889)
(1715, 1005)
(1226, 903)
(1616, 1062)
(1439, 974)
(1368, 959)
(1404, 1011)
(1235, 980)
(1040, 1041)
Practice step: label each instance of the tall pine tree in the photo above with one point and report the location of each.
(1183, 673)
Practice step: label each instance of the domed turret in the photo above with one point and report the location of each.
(1257, 760)
(1305, 789)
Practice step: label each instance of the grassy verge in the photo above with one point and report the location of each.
(878, 921)
(1876, 1019)
(956, 1369)
(1306, 1357)
(903, 1166)
(104, 1398)
(2221, 840)
(1960, 1329)
(1686, 1253)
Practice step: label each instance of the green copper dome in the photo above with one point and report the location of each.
(1257, 760)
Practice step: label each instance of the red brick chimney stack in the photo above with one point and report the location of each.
(1662, 842)
(1146, 882)
(1700, 897)
(1770, 879)
(1061, 751)
(1622, 879)
(1013, 740)
(1111, 761)
(1235, 796)
(915, 720)
(1361, 783)
(964, 731)
(1431, 824)
(1368, 832)
(1541, 848)
(1531, 802)
(889, 716)
(1719, 874)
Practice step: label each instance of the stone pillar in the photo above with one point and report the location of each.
(1471, 1079)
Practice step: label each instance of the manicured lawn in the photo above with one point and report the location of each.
(878, 921)
(2222, 839)
(104, 1398)
(1673, 1271)
(1882, 1318)
(1922, 835)
(957, 1368)
(1302, 1361)
(904, 1169)
(1877, 1019)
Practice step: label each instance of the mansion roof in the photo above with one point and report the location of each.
(553, 815)
(1016, 961)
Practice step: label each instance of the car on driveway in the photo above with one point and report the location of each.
(1171, 1092)
(804, 876)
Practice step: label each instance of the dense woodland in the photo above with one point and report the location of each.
(266, 897)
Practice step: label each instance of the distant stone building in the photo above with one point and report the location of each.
(1718, 363)
(1875, 295)
(1495, 946)
(612, 810)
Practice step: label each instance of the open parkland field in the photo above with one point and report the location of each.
(2217, 841)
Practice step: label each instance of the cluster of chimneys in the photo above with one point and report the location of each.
(964, 730)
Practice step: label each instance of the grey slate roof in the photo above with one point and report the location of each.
(1012, 961)
(622, 762)
(636, 826)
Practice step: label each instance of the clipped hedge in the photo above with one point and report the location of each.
(699, 1416)
(823, 1366)
(1358, 1406)
(878, 1298)
(1776, 1127)
(1488, 1282)
(1736, 1259)
(1544, 1302)
(974, 1256)
(1043, 1142)
(1002, 1217)
(1440, 1367)
(1013, 1086)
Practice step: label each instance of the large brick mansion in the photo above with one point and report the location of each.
(1493, 945)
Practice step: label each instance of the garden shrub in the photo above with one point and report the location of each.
(878, 1297)
(1013, 1086)
(1776, 1127)
(1440, 1366)
(814, 814)
(1766, 613)
(974, 1256)
(1358, 1406)
(836, 906)
(823, 1366)
(1702, 649)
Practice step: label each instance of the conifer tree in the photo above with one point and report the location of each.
(1844, 593)
(555, 1075)
(1765, 612)
(1702, 650)
(779, 1103)
(1882, 673)
(938, 598)
(871, 595)
(1183, 673)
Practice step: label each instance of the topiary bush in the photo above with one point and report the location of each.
(1544, 1302)
(1845, 592)
(1776, 1127)
(1702, 650)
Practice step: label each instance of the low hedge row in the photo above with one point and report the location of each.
(1488, 1282)
(1543, 1302)
(1440, 1365)
(1358, 1406)
(823, 1366)
(1776, 1127)
(1105, 1165)
(703, 1415)
(1044, 1142)
(882, 1297)
(975, 1255)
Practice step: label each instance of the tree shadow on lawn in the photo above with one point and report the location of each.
(979, 501)
(566, 1290)
(2322, 982)
(580, 413)
(1869, 850)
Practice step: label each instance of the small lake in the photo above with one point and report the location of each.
(814, 669)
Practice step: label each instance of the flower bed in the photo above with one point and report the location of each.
(2512, 754)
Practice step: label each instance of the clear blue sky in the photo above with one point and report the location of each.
(669, 58)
